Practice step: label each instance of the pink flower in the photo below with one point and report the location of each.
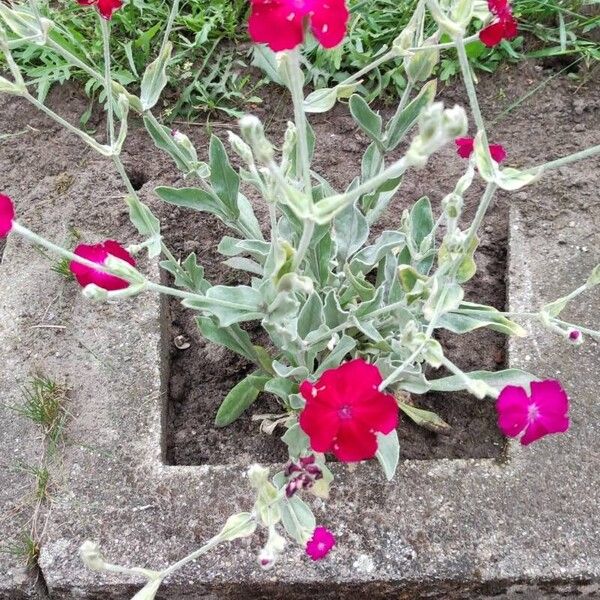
(280, 23)
(98, 253)
(106, 8)
(544, 412)
(504, 26)
(465, 147)
(7, 215)
(320, 544)
(345, 409)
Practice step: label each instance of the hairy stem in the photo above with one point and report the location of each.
(105, 26)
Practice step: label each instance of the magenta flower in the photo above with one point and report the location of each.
(345, 409)
(7, 215)
(98, 253)
(466, 145)
(320, 544)
(503, 27)
(280, 23)
(106, 8)
(544, 411)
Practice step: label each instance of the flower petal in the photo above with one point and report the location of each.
(321, 426)
(493, 34)
(108, 7)
(7, 215)
(98, 253)
(377, 413)
(512, 407)
(328, 22)
(464, 146)
(320, 544)
(498, 152)
(276, 25)
(354, 442)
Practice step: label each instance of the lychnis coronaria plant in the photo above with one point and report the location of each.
(351, 317)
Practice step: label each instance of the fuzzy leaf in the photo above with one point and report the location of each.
(404, 120)
(495, 379)
(230, 304)
(425, 418)
(240, 398)
(388, 453)
(223, 178)
(155, 78)
(232, 337)
(368, 120)
(195, 198)
(298, 519)
(146, 224)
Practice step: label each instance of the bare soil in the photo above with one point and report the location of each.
(57, 183)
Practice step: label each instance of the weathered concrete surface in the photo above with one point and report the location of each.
(21, 445)
(528, 528)
(447, 529)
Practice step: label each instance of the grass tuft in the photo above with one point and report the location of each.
(44, 404)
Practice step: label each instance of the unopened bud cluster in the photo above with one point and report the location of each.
(302, 475)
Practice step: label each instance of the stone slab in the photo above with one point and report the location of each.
(451, 529)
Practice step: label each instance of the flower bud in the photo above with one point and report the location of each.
(258, 475)
(241, 148)
(95, 293)
(575, 336)
(123, 269)
(89, 552)
(455, 121)
(420, 65)
(253, 132)
(452, 205)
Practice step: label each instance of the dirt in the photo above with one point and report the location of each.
(72, 186)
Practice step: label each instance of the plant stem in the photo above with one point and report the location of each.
(169, 26)
(296, 83)
(104, 150)
(105, 26)
(565, 160)
(482, 209)
(303, 246)
(465, 68)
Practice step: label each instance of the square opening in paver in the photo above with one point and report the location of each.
(199, 374)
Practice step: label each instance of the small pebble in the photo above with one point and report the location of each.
(580, 127)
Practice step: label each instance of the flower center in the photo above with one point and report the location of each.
(533, 412)
(345, 412)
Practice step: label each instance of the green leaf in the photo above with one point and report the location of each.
(496, 380)
(238, 526)
(296, 441)
(388, 453)
(224, 179)
(192, 277)
(155, 78)
(421, 220)
(594, 278)
(368, 120)
(369, 257)
(320, 101)
(311, 315)
(195, 198)
(425, 418)
(469, 316)
(403, 121)
(232, 337)
(146, 224)
(230, 304)
(337, 355)
(240, 398)
(184, 155)
(350, 231)
(298, 519)
(281, 387)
